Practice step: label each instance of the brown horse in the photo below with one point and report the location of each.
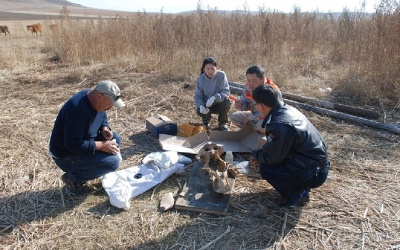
(35, 28)
(4, 29)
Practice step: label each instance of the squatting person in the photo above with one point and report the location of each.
(247, 113)
(294, 159)
(82, 143)
(211, 94)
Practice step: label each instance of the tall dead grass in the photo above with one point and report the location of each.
(367, 46)
(373, 56)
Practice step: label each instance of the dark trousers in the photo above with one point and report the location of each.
(83, 167)
(289, 185)
(220, 108)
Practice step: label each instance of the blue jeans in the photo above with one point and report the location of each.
(288, 184)
(83, 167)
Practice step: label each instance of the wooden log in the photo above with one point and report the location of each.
(239, 88)
(237, 85)
(359, 120)
(319, 103)
(335, 106)
(236, 90)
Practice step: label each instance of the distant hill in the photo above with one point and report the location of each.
(62, 2)
(15, 5)
(50, 9)
(6, 4)
(11, 10)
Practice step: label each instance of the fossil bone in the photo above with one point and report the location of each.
(216, 167)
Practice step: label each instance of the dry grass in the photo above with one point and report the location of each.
(357, 208)
(300, 44)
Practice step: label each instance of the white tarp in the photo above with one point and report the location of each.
(125, 184)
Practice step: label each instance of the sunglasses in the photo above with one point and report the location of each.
(115, 98)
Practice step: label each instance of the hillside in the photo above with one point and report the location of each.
(49, 9)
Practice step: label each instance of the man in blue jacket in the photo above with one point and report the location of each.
(81, 142)
(294, 159)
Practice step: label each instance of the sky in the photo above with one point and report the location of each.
(176, 6)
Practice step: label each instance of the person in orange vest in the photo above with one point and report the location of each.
(247, 113)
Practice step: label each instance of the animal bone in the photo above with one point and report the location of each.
(234, 172)
(205, 157)
(222, 166)
(220, 181)
(216, 167)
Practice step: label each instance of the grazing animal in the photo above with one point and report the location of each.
(35, 28)
(4, 29)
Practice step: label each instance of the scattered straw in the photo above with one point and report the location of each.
(358, 206)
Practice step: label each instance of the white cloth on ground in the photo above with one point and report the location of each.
(122, 185)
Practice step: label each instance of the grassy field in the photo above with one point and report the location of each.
(151, 57)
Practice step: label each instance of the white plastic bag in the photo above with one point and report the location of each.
(128, 183)
(166, 159)
(243, 167)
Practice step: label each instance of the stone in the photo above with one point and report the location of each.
(167, 202)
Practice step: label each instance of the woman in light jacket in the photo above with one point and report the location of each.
(211, 94)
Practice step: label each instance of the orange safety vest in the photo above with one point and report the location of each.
(249, 96)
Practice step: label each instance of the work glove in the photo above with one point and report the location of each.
(204, 110)
(210, 101)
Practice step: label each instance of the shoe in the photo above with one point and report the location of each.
(304, 198)
(223, 127)
(67, 181)
(74, 187)
(205, 124)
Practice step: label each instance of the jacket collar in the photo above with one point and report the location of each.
(267, 119)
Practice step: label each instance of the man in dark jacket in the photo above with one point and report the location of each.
(82, 143)
(294, 159)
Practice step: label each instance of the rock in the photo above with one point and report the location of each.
(167, 202)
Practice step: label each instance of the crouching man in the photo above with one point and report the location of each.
(81, 142)
(294, 159)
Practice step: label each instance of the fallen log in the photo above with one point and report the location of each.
(236, 90)
(237, 85)
(331, 113)
(319, 103)
(394, 128)
(335, 106)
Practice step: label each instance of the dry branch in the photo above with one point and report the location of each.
(228, 229)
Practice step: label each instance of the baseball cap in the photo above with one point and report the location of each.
(112, 91)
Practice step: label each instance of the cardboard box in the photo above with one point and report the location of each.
(244, 140)
(160, 124)
(187, 130)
